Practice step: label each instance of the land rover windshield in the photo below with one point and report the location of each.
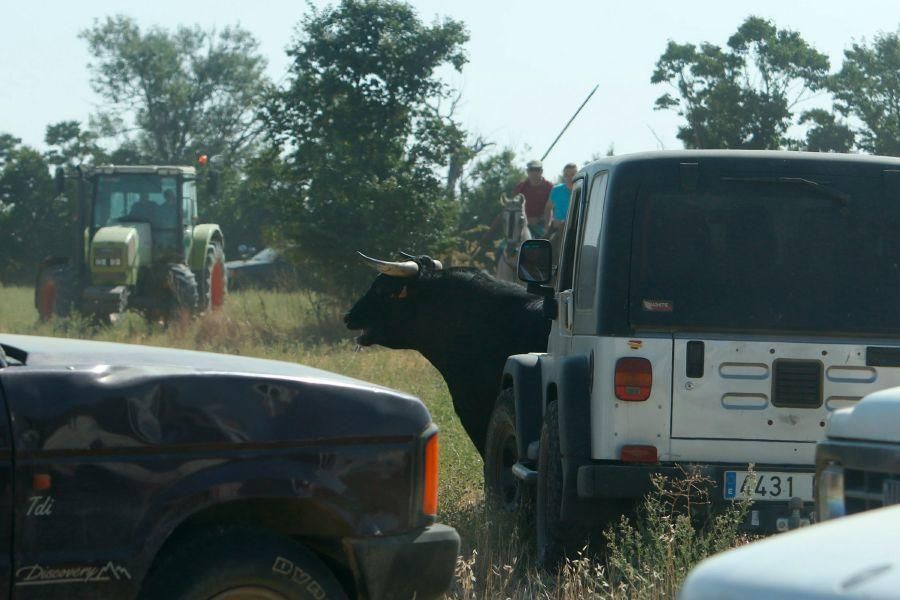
(810, 253)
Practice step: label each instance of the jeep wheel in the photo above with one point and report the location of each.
(555, 540)
(502, 490)
(183, 287)
(242, 564)
(212, 280)
(55, 292)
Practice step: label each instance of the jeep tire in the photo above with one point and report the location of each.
(502, 489)
(555, 539)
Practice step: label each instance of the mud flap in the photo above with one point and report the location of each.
(574, 398)
(525, 372)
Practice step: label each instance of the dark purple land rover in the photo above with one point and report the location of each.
(136, 472)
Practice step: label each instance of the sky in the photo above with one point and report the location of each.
(531, 63)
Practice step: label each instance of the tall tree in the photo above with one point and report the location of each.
(31, 215)
(173, 94)
(743, 95)
(826, 133)
(365, 140)
(488, 179)
(71, 145)
(868, 88)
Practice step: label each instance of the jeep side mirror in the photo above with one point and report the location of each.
(535, 261)
(59, 178)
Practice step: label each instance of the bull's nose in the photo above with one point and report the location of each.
(347, 318)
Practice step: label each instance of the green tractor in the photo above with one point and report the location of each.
(138, 245)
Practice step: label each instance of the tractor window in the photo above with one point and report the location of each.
(189, 196)
(149, 198)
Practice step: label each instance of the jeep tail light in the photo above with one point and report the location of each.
(430, 479)
(634, 378)
(639, 454)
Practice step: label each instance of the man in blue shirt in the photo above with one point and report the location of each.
(558, 205)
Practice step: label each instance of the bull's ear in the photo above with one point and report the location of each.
(402, 293)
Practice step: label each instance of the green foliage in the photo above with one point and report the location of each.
(247, 206)
(188, 91)
(32, 218)
(826, 134)
(674, 530)
(741, 96)
(488, 179)
(364, 137)
(868, 87)
(71, 145)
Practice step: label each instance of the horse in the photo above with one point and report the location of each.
(515, 231)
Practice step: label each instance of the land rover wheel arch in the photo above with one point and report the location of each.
(242, 562)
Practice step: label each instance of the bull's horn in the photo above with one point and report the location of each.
(407, 268)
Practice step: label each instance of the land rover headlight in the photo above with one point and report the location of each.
(830, 498)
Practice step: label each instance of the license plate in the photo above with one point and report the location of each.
(768, 485)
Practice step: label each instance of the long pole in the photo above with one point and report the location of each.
(569, 122)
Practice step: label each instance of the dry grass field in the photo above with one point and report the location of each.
(647, 558)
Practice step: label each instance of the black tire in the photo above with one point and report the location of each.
(183, 288)
(260, 563)
(212, 280)
(55, 291)
(502, 490)
(555, 540)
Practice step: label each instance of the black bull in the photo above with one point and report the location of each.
(464, 322)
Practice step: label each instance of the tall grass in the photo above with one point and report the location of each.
(643, 557)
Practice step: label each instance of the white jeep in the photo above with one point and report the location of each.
(710, 308)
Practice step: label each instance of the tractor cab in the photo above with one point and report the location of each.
(138, 245)
(164, 198)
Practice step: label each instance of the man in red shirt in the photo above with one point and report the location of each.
(536, 190)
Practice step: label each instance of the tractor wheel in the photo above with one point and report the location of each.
(213, 280)
(183, 287)
(55, 291)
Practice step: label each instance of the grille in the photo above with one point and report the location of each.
(797, 383)
(865, 490)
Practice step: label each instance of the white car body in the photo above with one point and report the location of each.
(853, 557)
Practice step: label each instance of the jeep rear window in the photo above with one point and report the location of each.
(761, 257)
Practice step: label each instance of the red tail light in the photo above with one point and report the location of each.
(430, 479)
(639, 454)
(634, 379)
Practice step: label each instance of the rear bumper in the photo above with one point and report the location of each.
(419, 564)
(611, 481)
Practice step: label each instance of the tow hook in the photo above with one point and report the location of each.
(796, 520)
